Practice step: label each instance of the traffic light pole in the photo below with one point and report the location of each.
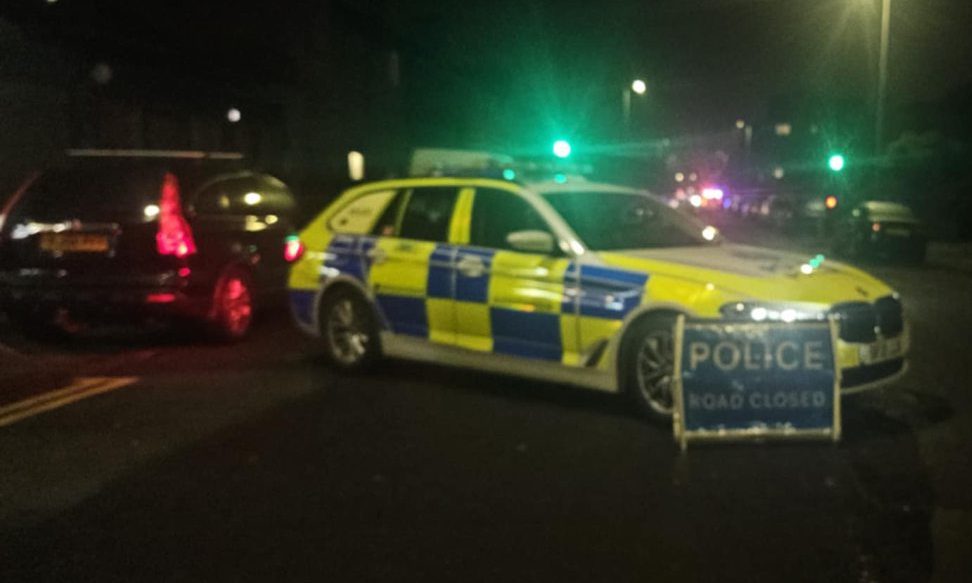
(882, 75)
(626, 107)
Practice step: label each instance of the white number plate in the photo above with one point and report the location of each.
(884, 349)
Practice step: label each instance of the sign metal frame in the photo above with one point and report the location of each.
(683, 436)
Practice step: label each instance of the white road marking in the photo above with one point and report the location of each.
(81, 388)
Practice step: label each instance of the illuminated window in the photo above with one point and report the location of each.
(356, 165)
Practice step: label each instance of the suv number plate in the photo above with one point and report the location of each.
(73, 242)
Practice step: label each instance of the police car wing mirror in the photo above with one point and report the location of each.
(531, 241)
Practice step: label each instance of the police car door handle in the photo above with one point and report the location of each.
(376, 255)
(471, 266)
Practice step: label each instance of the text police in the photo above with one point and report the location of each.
(733, 355)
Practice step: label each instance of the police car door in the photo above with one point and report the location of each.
(411, 269)
(509, 294)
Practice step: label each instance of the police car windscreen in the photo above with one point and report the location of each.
(614, 220)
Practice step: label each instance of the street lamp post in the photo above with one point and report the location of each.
(637, 86)
(882, 74)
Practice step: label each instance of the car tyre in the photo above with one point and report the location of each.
(349, 331)
(231, 315)
(648, 366)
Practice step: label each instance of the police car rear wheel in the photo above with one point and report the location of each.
(348, 331)
(649, 362)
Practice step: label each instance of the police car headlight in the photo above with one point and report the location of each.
(760, 312)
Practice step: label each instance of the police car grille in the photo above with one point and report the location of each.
(889, 316)
(857, 321)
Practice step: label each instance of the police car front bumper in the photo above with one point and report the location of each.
(860, 371)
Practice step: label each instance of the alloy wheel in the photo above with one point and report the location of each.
(655, 367)
(347, 332)
(236, 306)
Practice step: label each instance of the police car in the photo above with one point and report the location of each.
(570, 282)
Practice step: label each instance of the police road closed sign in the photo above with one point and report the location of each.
(746, 380)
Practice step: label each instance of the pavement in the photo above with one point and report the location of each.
(258, 462)
(951, 255)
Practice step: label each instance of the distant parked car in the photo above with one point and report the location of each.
(782, 211)
(749, 208)
(775, 209)
(875, 229)
(813, 208)
(112, 237)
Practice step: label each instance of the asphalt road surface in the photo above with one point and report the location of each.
(257, 462)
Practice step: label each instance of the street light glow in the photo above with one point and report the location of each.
(233, 115)
(836, 162)
(639, 86)
(561, 148)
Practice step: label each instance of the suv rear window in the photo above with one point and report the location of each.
(242, 195)
(90, 192)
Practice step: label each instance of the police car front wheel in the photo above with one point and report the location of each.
(348, 330)
(649, 364)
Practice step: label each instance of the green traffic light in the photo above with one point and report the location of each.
(509, 174)
(836, 162)
(561, 148)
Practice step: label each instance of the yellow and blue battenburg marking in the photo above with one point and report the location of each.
(302, 306)
(608, 292)
(523, 305)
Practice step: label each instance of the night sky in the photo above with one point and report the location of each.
(709, 61)
(559, 66)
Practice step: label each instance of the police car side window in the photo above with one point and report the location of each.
(497, 213)
(360, 215)
(388, 221)
(428, 214)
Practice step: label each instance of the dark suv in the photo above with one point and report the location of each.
(154, 235)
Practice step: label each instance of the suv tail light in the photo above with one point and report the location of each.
(174, 236)
(293, 249)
